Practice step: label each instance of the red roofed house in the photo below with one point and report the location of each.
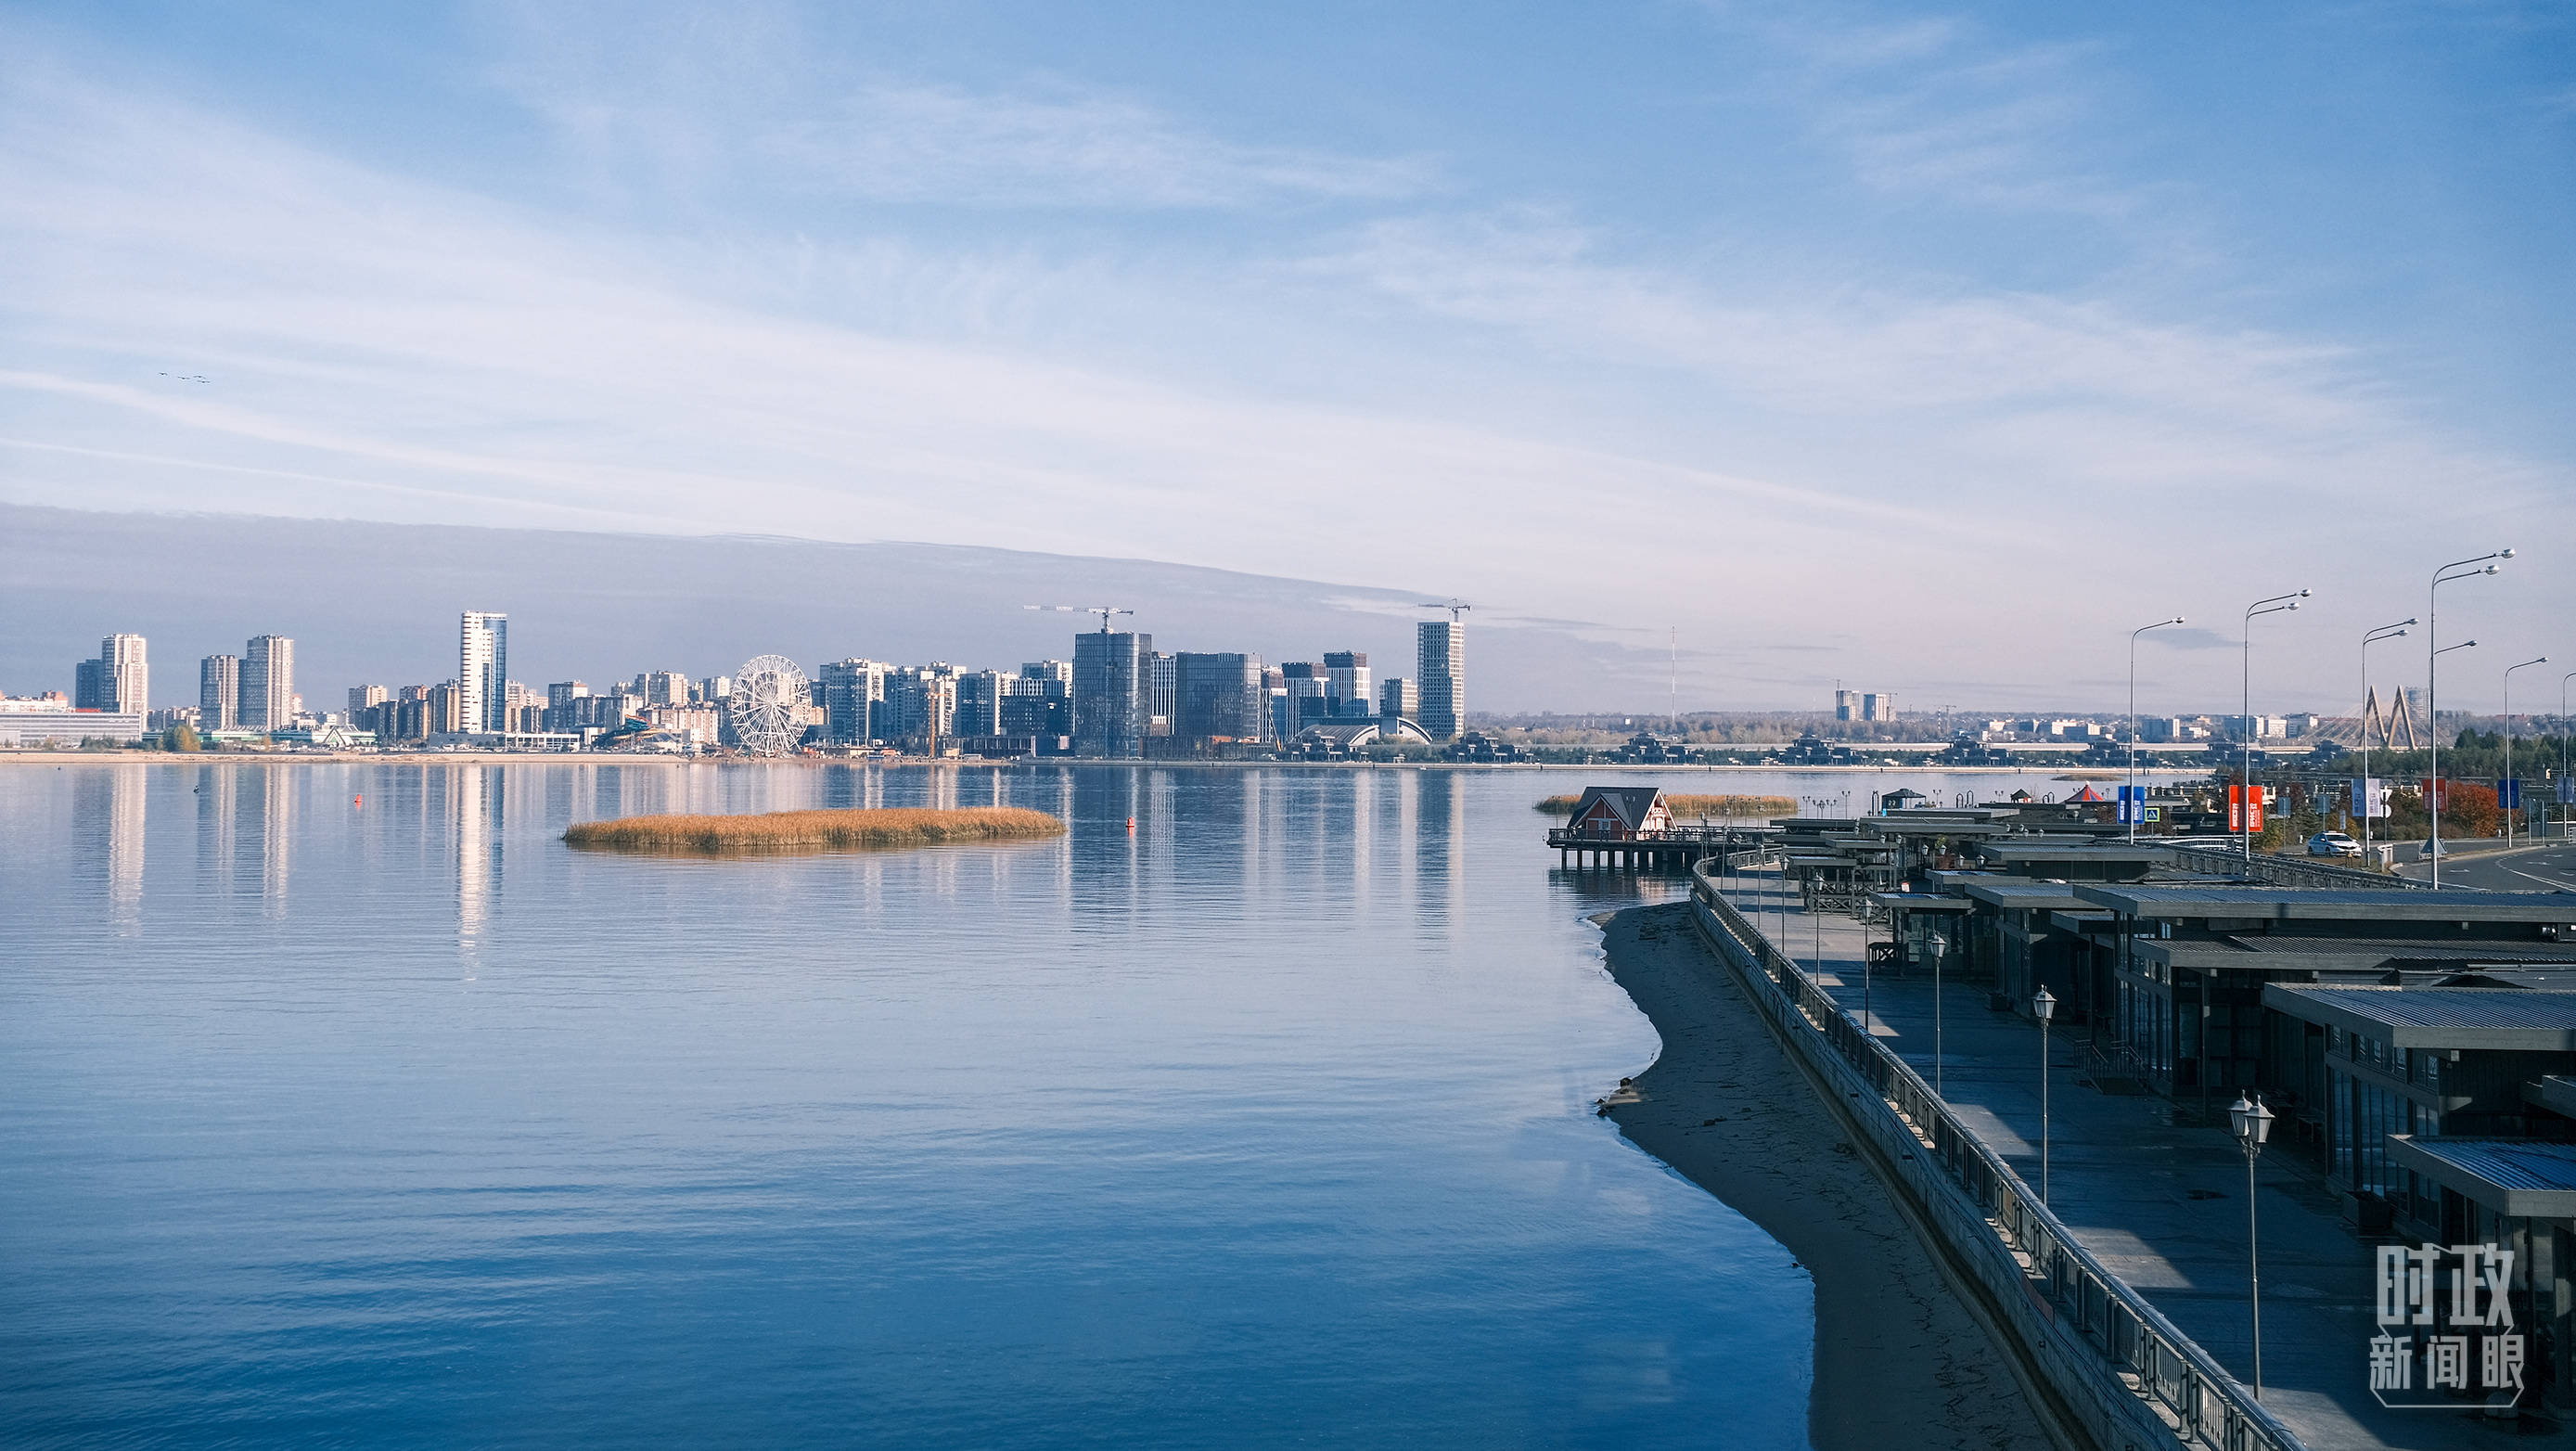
(1620, 813)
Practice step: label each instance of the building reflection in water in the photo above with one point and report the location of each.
(474, 795)
(124, 808)
(218, 826)
(275, 793)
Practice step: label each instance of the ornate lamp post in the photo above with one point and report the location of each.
(2043, 1006)
(1940, 949)
(2253, 1124)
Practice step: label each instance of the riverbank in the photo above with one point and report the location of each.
(1898, 1361)
(620, 758)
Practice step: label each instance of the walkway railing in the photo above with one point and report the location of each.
(2225, 861)
(2201, 1404)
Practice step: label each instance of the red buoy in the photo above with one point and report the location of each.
(1131, 826)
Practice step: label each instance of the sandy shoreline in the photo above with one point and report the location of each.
(1898, 1360)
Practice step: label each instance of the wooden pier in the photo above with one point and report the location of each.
(1673, 849)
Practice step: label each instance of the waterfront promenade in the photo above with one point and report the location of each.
(2157, 1197)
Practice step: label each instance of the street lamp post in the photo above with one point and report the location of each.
(2253, 1124)
(2133, 720)
(2566, 728)
(2508, 744)
(1940, 949)
(2433, 782)
(2277, 604)
(2384, 632)
(2467, 568)
(2043, 1007)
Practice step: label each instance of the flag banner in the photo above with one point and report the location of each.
(2567, 790)
(2509, 795)
(2369, 796)
(2245, 808)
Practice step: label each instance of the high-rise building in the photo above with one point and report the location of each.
(1398, 700)
(445, 715)
(715, 689)
(483, 671)
(1306, 684)
(87, 691)
(979, 701)
(1219, 697)
(1162, 695)
(1877, 705)
(366, 697)
(561, 713)
(853, 695)
(920, 703)
(219, 692)
(268, 683)
(124, 679)
(1113, 684)
(1346, 684)
(1443, 676)
(1846, 704)
(1040, 701)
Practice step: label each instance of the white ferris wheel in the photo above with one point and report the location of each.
(767, 693)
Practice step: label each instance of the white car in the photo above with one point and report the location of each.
(2333, 843)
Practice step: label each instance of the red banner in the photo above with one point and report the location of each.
(2238, 808)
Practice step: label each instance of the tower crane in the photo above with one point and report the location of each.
(1455, 607)
(1103, 611)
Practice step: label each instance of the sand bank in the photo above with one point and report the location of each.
(1898, 1360)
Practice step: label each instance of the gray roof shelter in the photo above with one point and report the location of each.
(2518, 1178)
(2329, 905)
(2516, 1020)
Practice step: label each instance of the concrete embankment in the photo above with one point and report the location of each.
(2102, 1366)
(1898, 1361)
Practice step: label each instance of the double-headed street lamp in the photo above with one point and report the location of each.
(2384, 632)
(2043, 1007)
(2456, 569)
(2508, 744)
(2253, 1124)
(2133, 719)
(2433, 783)
(2277, 604)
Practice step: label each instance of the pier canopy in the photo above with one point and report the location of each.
(1620, 813)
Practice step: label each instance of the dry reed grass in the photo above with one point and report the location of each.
(1686, 807)
(812, 830)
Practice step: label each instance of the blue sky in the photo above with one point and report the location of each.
(1924, 348)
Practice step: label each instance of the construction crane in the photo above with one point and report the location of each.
(1455, 607)
(1103, 611)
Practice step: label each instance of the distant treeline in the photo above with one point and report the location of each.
(806, 830)
(1691, 808)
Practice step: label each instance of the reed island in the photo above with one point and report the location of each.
(864, 828)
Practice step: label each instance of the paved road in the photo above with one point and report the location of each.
(2546, 869)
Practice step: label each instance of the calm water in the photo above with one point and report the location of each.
(400, 1123)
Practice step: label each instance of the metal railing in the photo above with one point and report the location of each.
(2226, 861)
(2202, 1404)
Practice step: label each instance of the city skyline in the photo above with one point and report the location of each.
(1834, 289)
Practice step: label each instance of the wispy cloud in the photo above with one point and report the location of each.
(1934, 108)
(697, 99)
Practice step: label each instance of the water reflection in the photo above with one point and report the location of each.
(474, 794)
(127, 787)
